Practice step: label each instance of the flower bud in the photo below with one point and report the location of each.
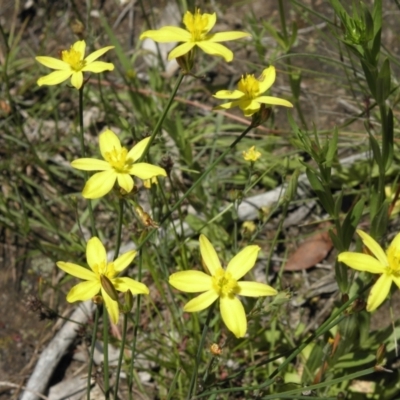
(108, 287)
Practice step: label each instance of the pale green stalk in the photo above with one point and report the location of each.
(195, 371)
(105, 353)
(121, 355)
(83, 154)
(91, 355)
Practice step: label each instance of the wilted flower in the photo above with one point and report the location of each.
(248, 96)
(197, 33)
(73, 64)
(102, 277)
(118, 165)
(387, 264)
(223, 285)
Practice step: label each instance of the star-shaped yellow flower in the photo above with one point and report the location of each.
(118, 165)
(222, 284)
(251, 154)
(248, 95)
(197, 33)
(94, 284)
(72, 64)
(387, 264)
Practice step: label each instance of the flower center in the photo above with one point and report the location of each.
(224, 284)
(73, 58)
(250, 86)
(104, 268)
(117, 159)
(393, 254)
(196, 24)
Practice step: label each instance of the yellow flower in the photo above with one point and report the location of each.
(222, 284)
(248, 96)
(95, 282)
(251, 154)
(197, 33)
(118, 165)
(387, 264)
(73, 64)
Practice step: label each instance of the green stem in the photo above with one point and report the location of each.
(199, 352)
(83, 154)
(91, 356)
(105, 352)
(137, 318)
(164, 114)
(121, 355)
(119, 227)
(197, 183)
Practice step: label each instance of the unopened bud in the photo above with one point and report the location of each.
(98, 300)
(128, 297)
(380, 354)
(145, 218)
(108, 287)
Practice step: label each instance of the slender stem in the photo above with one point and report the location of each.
(83, 154)
(199, 352)
(119, 227)
(197, 183)
(137, 317)
(94, 336)
(164, 114)
(105, 352)
(121, 355)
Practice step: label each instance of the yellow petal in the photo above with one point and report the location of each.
(201, 302)
(255, 289)
(83, 291)
(80, 46)
(267, 78)
(216, 49)
(54, 78)
(243, 262)
(274, 101)
(91, 164)
(99, 184)
(77, 79)
(54, 63)
(191, 281)
(379, 292)
(108, 141)
(229, 94)
(167, 34)
(181, 50)
(209, 255)
(138, 149)
(233, 315)
(125, 181)
(362, 262)
(146, 171)
(96, 54)
(227, 106)
(125, 284)
(112, 307)
(225, 36)
(77, 271)
(95, 252)
(124, 260)
(98, 66)
(374, 247)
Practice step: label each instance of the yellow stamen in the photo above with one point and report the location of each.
(250, 86)
(224, 284)
(73, 58)
(117, 159)
(196, 24)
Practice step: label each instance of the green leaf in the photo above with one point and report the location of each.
(351, 221)
(324, 195)
(383, 83)
(380, 221)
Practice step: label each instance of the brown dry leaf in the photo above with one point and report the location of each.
(310, 252)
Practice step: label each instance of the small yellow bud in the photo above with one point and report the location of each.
(251, 154)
